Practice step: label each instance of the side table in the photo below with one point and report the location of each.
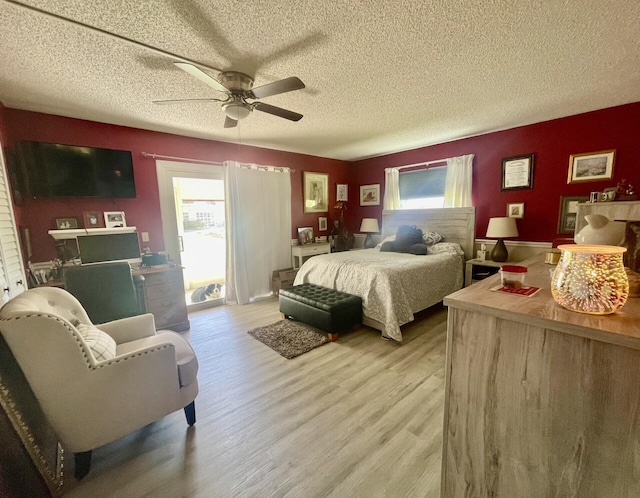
(477, 269)
(306, 251)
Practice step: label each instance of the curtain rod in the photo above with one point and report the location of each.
(202, 161)
(428, 163)
(175, 158)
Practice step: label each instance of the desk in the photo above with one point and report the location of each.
(306, 251)
(539, 400)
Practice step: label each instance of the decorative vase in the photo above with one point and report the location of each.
(590, 279)
(600, 230)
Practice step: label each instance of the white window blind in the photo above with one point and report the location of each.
(422, 188)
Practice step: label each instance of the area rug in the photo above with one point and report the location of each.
(289, 338)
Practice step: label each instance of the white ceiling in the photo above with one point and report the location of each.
(381, 75)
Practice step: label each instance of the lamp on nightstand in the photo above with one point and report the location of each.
(501, 228)
(369, 226)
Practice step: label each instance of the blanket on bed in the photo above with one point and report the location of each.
(392, 286)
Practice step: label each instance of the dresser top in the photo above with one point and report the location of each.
(541, 310)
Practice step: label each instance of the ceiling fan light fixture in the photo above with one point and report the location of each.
(236, 110)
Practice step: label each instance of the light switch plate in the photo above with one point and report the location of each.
(145, 236)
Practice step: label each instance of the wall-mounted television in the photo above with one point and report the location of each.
(58, 170)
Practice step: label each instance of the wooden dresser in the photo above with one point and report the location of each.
(164, 296)
(539, 400)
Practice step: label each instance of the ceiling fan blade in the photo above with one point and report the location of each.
(230, 123)
(280, 86)
(184, 101)
(202, 76)
(277, 111)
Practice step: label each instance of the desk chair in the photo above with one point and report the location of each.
(107, 291)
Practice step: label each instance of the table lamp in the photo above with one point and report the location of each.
(369, 226)
(501, 228)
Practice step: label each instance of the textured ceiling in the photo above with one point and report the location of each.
(381, 76)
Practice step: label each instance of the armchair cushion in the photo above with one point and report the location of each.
(101, 344)
(185, 357)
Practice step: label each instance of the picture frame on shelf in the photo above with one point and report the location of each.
(316, 192)
(515, 210)
(517, 172)
(591, 166)
(370, 195)
(305, 236)
(66, 223)
(610, 193)
(322, 224)
(342, 192)
(93, 219)
(114, 219)
(569, 213)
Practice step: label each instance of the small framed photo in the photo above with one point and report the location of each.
(342, 192)
(114, 219)
(610, 193)
(569, 212)
(305, 236)
(93, 219)
(591, 166)
(322, 224)
(515, 210)
(316, 192)
(517, 172)
(66, 223)
(370, 195)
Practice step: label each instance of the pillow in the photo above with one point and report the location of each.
(101, 344)
(445, 247)
(431, 238)
(391, 238)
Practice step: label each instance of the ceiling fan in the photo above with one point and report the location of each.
(239, 90)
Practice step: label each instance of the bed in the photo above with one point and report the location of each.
(394, 286)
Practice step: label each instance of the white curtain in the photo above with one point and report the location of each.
(391, 189)
(258, 222)
(457, 186)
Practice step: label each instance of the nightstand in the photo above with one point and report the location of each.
(477, 270)
(306, 251)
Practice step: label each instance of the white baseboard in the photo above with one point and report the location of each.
(519, 250)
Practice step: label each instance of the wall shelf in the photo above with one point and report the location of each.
(74, 232)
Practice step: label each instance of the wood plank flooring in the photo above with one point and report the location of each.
(358, 417)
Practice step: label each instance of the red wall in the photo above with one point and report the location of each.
(552, 142)
(144, 211)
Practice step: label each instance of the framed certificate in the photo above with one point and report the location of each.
(517, 172)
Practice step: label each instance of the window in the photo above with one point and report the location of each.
(422, 188)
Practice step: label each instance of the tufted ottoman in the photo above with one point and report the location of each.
(326, 309)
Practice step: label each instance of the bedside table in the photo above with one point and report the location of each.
(477, 270)
(306, 251)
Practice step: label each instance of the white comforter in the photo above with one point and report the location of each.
(392, 285)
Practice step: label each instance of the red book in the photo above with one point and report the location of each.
(522, 291)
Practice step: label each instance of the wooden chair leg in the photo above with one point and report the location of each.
(190, 412)
(83, 464)
(332, 336)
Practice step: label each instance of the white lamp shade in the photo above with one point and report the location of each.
(369, 225)
(500, 228)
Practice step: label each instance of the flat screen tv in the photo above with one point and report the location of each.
(58, 170)
(109, 247)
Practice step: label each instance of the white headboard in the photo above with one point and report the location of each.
(456, 224)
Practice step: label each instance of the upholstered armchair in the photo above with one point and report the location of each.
(96, 385)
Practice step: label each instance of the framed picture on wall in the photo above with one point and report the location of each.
(316, 192)
(515, 210)
(370, 195)
(517, 172)
(342, 192)
(322, 224)
(569, 212)
(591, 166)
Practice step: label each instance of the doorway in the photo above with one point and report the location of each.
(193, 221)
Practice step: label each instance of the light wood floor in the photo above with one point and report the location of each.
(359, 417)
